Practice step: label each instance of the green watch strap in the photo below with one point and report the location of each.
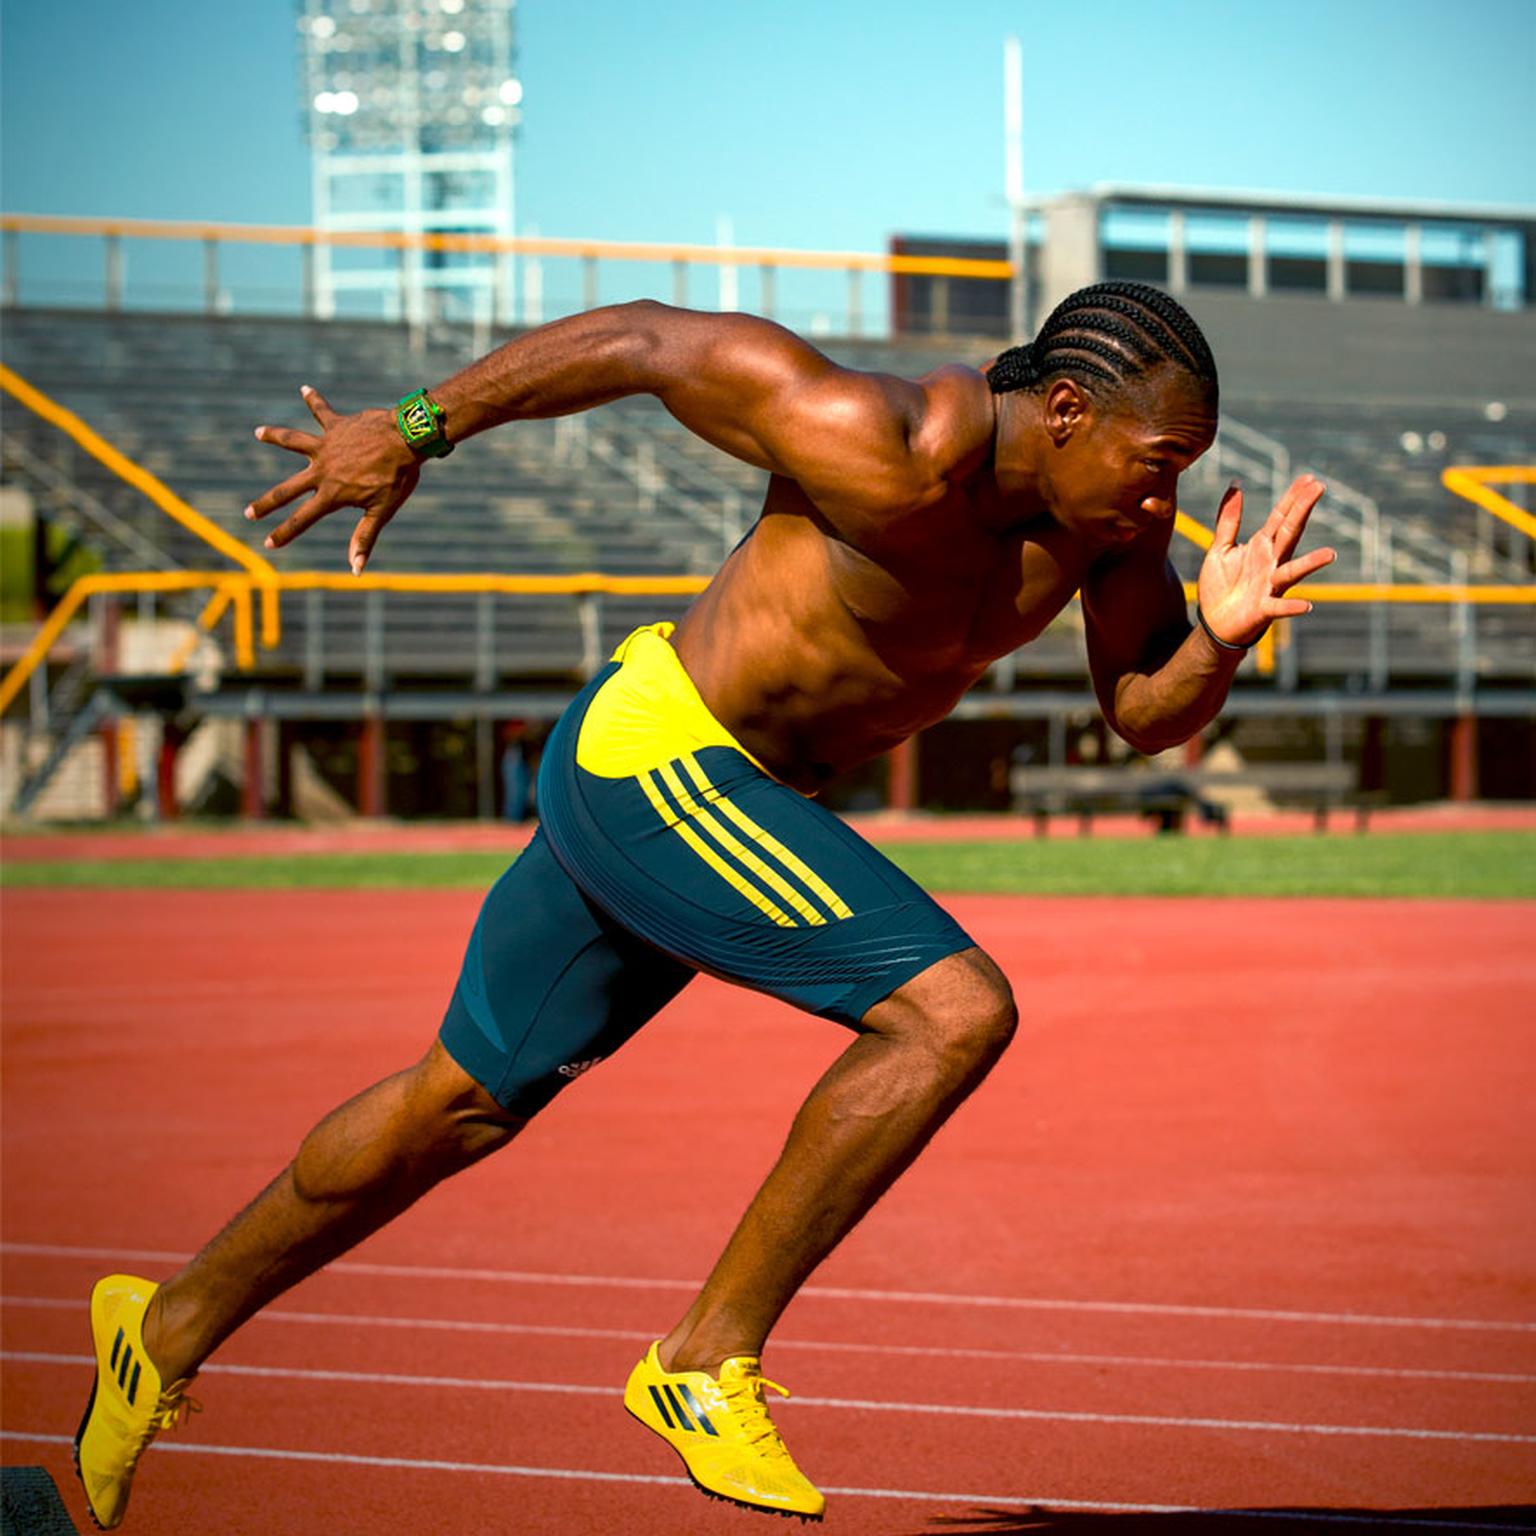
(421, 425)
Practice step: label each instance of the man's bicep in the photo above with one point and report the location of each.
(762, 394)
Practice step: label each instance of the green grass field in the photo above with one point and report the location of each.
(1462, 864)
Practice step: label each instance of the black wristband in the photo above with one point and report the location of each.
(1216, 640)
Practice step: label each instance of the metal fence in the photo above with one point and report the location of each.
(828, 292)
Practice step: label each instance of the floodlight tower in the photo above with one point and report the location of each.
(411, 107)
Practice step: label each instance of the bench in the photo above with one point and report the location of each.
(1321, 786)
(1089, 789)
(1169, 796)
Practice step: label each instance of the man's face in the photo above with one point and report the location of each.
(1116, 472)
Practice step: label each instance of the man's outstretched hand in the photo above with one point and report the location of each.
(1242, 587)
(356, 461)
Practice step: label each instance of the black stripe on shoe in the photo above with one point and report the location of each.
(683, 1421)
(661, 1407)
(698, 1412)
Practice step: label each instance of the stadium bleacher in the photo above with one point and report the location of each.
(627, 491)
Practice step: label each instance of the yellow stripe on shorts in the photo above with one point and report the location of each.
(791, 861)
(732, 877)
(733, 845)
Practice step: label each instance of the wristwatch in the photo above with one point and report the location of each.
(421, 425)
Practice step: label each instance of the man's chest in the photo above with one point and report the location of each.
(961, 596)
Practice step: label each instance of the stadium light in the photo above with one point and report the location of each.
(411, 109)
(409, 72)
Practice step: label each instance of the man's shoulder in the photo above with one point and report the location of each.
(959, 420)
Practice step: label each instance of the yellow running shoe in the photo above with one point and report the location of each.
(721, 1429)
(128, 1406)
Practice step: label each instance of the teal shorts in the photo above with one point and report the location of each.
(666, 850)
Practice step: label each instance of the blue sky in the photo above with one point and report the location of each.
(810, 124)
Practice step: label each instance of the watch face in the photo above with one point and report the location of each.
(417, 420)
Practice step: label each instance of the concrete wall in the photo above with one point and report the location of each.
(1300, 347)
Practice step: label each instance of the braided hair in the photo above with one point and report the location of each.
(1109, 334)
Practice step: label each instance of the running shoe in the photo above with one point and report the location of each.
(721, 1429)
(128, 1405)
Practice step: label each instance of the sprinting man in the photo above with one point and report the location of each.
(912, 533)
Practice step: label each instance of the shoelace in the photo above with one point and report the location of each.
(744, 1397)
(170, 1412)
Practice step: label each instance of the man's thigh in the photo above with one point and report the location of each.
(716, 863)
(550, 986)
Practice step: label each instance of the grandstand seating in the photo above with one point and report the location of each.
(626, 490)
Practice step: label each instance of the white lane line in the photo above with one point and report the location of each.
(835, 1346)
(857, 1404)
(832, 1292)
(1035, 1503)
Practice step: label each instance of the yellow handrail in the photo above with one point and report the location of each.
(213, 611)
(155, 489)
(84, 587)
(577, 584)
(135, 474)
(1471, 483)
(1197, 533)
(233, 590)
(1487, 593)
(230, 589)
(511, 245)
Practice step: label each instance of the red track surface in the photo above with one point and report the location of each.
(1309, 1118)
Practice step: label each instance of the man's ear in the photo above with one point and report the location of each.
(1068, 410)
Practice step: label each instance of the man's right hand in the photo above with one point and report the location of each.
(356, 461)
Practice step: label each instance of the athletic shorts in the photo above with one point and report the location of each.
(665, 849)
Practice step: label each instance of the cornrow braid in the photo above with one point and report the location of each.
(1112, 333)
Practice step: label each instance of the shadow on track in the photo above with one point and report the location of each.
(1041, 1521)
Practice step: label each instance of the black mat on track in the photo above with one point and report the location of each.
(30, 1504)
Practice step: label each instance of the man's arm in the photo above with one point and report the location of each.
(1159, 679)
(855, 441)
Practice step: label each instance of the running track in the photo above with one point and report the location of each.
(1242, 1222)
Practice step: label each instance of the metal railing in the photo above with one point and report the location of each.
(237, 592)
(1379, 550)
(77, 507)
(769, 262)
(1472, 483)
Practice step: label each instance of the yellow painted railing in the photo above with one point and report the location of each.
(230, 590)
(511, 245)
(135, 474)
(262, 571)
(577, 584)
(1472, 484)
(234, 591)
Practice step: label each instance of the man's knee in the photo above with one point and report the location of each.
(404, 1133)
(451, 1103)
(962, 1008)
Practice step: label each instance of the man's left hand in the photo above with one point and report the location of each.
(1242, 587)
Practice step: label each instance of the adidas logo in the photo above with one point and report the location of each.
(576, 1068)
(122, 1362)
(678, 1418)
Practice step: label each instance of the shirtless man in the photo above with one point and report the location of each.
(912, 533)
